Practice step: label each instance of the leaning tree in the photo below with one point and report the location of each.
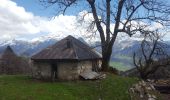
(152, 54)
(114, 17)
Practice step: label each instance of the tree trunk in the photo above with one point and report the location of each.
(105, 63)
(106, 53)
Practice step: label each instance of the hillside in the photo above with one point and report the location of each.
(24, 88)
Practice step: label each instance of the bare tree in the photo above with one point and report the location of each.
(124, 14)
(151, 55)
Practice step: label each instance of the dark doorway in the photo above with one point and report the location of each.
(95, 65)
(54, 71)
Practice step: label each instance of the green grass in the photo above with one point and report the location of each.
(24, 88)
(120, 66)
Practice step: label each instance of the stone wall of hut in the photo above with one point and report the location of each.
(84, 66)
(72, 70)
(93, 65)
(41, 70)
(67, 71)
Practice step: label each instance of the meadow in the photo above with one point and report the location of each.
(19, 87)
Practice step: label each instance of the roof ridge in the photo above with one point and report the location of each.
(75, 52)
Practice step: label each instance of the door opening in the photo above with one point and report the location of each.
(54, 71)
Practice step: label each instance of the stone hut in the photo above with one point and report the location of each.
(65, 60)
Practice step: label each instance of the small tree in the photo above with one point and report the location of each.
(151, 55)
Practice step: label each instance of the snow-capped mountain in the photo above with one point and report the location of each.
(19, 46)
(28, 48)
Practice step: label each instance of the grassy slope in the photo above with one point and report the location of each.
(23, 88)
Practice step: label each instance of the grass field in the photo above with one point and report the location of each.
(24, 88)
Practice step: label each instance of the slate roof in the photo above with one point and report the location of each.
(68, 48)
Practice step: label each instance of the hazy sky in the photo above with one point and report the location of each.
(29, 20)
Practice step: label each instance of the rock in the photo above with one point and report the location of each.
(153, 96)
(143, 91)
(151, 99)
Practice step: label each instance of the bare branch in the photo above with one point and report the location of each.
(152, 54)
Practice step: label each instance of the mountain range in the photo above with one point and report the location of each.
(29, 48)
(121, 53)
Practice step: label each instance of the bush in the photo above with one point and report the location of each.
(113, 70)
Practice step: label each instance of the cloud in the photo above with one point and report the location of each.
(16, 22)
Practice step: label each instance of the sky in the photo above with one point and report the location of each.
(29, 20)
(38, 9)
